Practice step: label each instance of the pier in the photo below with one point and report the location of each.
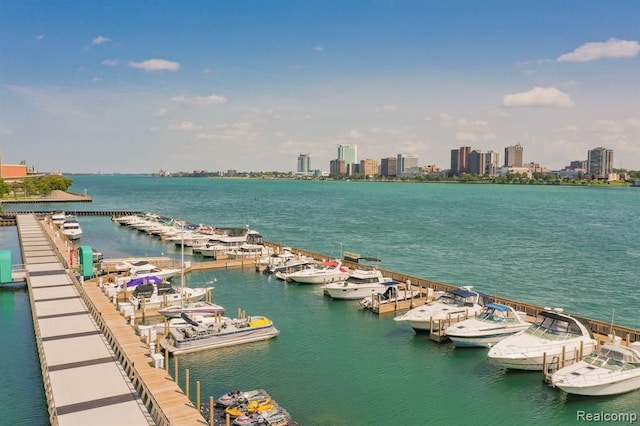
(82, 339)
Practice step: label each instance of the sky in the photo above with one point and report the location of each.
(138, 86)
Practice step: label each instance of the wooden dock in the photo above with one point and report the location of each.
(158, 394)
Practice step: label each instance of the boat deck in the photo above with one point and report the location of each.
(74, 354)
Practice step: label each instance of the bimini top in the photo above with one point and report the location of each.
(498, 306)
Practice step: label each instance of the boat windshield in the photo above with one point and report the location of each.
(612, 358)
(495, 315)
(553, 327)
(367, 280)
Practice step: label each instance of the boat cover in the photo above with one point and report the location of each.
(498, 306)
(152, 279)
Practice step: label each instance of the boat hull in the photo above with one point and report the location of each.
(177, 342)
(318, 279)
(352, 292)
(515, 358)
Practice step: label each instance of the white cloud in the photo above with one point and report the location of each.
(99, 40)
(184, 125)
(200, 100)
(612, 48)
(318, 48)
(110, 62)
(155, 65)
(162, 112)
(39, 37)
(539, 96)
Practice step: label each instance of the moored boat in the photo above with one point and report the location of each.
(363, 281)
(459, 303)
(224, 332)
(494, 323)
(612, 369)
(71, 228)
(554, 339)
(322, 273)
(192, 308)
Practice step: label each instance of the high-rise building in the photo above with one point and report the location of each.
(513, 156)
(406, 164)
(337, 167)
(304, 163)
(369, 167)
(388, 167)
(492, 163)
(454, 162)
(348, 154)
(463, 158)
(600, 162)
(477, 162)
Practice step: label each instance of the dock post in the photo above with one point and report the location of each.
(166, 360)
(544, 364)
(198, 395)
(581, 349)
(563, 355)
(186, 383)
(211, 411)
(175, 370)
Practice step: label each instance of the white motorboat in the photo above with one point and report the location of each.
(203, 308)
(226, 239)
(156, 295)
(362, 282)
(144, 269)
(224, 332)
(58, 217)
(322, 273)
(71, 228)
(612, 369)
(555, 338)
(290, 266)
(495, 322)
(458, 304)
(276, 259)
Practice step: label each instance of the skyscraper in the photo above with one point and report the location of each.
(600, 162)
(406, 164)
(348, 154)
(304, 163)
(513, 156)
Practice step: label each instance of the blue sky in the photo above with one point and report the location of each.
(136, 86)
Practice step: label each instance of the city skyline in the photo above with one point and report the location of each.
(138, 87)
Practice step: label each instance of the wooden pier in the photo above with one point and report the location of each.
(155, 394)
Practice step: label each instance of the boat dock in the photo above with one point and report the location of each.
(83, 340)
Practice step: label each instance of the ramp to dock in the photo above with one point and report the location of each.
(84, 383)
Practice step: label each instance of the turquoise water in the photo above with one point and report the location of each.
(334, 364)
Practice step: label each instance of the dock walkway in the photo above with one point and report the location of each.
(96, 370)
(84, 382)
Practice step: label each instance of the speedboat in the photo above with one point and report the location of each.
(612, 369)
(322, 273)
(554, 338)
(155, 295)
(224, 332)
(58, 217)
(495, 322)
(71, 228)
(460, 302)
(144, 269)
(362, 282)
(193, 308)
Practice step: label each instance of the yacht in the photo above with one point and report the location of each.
(495, 322)
(554, 338)
(71, 228)
(612, 369)
(322, 273)
(362, 282)
(156, 295)
(144, 269)
(58, 217)
(460, 302)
